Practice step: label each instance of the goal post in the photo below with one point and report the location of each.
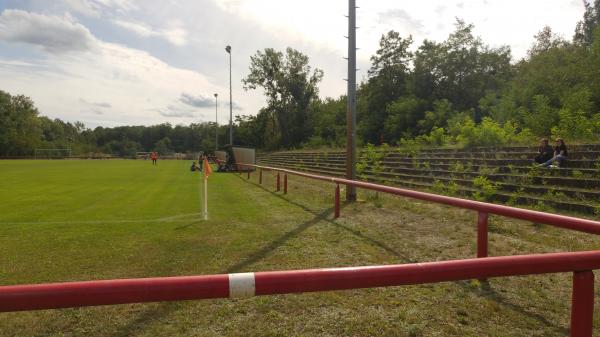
(142, 155)
(51, 153)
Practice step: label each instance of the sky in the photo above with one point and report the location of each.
(144, 62)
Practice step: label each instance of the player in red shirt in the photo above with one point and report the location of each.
(154, 157)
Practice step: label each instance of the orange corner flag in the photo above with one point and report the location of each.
(207, 168)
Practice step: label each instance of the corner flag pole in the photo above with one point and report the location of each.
(205, 197)
(207, 171)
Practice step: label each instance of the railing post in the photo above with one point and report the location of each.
(337, 201)
(278, 182)
(482, 234)
(582, 304)
(285, 184)
(260, 177)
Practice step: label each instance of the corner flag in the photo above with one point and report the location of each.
(207, 171)
(207, 168)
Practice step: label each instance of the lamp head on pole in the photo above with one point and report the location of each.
(216, 95)
(228, 49)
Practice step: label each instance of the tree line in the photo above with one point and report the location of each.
(457, 91)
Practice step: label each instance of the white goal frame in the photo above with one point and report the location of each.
(67, 153)
(142, 155)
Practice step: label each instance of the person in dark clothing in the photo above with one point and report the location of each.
(560, 154)
(545, 152)
(195, 167)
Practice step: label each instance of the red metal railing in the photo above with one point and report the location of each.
(483, 209)
(92, 293)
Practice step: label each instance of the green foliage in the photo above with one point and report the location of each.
(290, 87)
(577, 174)
(484, 170)
(451, 188)
(574, 126)
(457, 167)
(489, 133)
(20, 130)
(371, 158)
(486, 189)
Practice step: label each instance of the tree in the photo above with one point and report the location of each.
(462, 69)
(544, 41)
(290, 86)
(388, 79)
(584, 32)
(20, 130)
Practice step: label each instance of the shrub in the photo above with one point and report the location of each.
(574, 126)
(486, 189)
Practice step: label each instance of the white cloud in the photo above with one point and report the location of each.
(135, 86)
(174, 34)
(197, 101)
(54, 34)
(95, 8)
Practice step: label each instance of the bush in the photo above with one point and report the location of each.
(487, 189)
(574, 126)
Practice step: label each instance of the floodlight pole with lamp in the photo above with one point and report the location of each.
(228, 50)
(216, 123)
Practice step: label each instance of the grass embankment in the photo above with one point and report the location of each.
(79, 220)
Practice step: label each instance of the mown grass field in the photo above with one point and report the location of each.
(80, 220)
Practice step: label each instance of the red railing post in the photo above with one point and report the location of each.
(582, 304)
(482, 234)
(260, 177)
(278, 182)
(285, 184)
(337, 201)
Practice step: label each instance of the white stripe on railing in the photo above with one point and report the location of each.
(241, 285)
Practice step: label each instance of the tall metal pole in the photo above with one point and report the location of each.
(228, 49)
(351, 108)
(216, 123)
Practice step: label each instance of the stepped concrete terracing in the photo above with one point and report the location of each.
(503, 175)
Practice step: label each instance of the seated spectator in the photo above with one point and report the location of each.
(560, 154)
(545, 152)
(195, 167)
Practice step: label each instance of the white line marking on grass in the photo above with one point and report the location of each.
(173, 218)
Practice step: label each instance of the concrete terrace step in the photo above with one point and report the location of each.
(485, 168)
(579, 161)
(467, 180)
(523, 155)
(520, 198)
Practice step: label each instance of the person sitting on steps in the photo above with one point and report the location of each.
(545, 152)
(560, 155)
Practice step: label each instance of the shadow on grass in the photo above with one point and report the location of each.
(165, 309)
(486, 290)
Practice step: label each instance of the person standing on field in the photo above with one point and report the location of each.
(154, 157)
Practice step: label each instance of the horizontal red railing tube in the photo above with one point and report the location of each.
(578, 224)
(77, 294)
(92, 293)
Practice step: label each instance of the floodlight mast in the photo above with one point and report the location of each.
(351, 101)
(216, 124)
(228, 50)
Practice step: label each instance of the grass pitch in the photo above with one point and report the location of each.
(81, 220)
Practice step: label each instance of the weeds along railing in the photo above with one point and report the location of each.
(93, 293)
(483, 209)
